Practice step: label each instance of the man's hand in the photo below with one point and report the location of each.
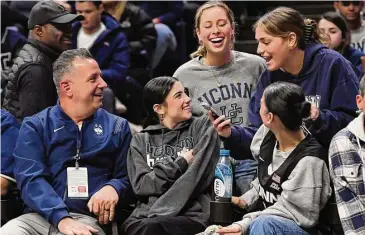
(233, 229)
(222, 126)
(102, 204)
(69, 226)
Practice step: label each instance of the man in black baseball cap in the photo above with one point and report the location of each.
(30, 88)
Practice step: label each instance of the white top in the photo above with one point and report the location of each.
(358, 37)
(278, 157)
(87, 40)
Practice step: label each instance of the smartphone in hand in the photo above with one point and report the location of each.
(209, 108)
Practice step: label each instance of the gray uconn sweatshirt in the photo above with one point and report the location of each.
(161, 178)
(228, 88)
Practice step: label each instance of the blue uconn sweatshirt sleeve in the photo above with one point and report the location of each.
(31, 173)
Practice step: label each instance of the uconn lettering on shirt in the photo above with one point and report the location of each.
(228, 92)
(269, 196)
(358, 45)
(314, 99)
(159, 153)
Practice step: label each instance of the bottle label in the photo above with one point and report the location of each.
(223, 182)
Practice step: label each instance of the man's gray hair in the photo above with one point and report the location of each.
(63, 65)
(362, 86)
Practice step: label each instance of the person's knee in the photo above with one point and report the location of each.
(263, 225)
(150, 226)
(15, 227)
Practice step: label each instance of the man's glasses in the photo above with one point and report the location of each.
(347, 3)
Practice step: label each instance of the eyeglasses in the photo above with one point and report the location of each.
(347, 3)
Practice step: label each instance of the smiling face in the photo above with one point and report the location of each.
(86, 84)
(215, 31)
(275, 50)
(57, 36)
(177, 105)
(330, 29)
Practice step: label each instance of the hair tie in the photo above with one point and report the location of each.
(309, 31)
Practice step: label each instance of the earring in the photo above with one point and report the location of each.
(162, 117)
(200, 42)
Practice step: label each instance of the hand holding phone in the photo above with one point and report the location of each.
(209, 108)
(222, 125)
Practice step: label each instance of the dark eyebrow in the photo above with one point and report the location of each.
(177, 93)
(93, 75)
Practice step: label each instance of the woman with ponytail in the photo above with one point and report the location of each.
(222, 77)
(293, 50)
(293, 183)
(171, 164)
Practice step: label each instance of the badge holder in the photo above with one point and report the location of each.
(77, 180)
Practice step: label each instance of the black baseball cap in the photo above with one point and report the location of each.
(45, 12)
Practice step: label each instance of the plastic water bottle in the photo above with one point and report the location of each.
(223, 178)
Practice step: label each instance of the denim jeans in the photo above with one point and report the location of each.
(165, 40)
(271, 224)
(245, 171)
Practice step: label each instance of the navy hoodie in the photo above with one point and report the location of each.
(110, 49)
(9, 135)
(46, 146)
(327, 79)
(354, 56)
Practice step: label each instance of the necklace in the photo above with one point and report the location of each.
(216, 75)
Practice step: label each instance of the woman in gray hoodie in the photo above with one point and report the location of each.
(171, 164)
(293, 183)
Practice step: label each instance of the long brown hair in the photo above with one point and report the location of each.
(284, 20)
(202, 51)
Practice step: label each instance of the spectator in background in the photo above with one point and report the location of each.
(12, 41)
(165, 15)
(334, 25)
(223, 78)
(351, 11)
(171, 164)
(141, 36)
(9, 135)
(102, 36)
(346, 163)
(30, 88)
(70, 159)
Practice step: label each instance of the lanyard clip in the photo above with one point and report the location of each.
(77, 157)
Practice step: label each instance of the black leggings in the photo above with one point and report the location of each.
(164, 225)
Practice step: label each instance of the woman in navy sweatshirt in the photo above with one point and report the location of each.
(334, 25)
(293, 52)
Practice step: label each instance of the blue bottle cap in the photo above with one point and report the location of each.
(224, 152)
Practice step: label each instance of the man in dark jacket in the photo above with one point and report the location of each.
(30, 88)
(102, 34)
(70, 159)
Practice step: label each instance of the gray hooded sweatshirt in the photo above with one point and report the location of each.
(304, 194)
(161, 178)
